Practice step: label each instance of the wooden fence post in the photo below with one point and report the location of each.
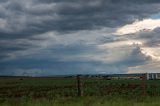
(79, 86)
(144, 85)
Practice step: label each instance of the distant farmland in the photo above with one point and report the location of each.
(51, 88)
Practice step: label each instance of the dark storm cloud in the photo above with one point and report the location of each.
(73, 15)
(27, 18)
(80, 15)
(53, 62)
(74, 60)
(46, 32)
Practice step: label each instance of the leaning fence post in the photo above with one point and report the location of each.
(79, 86)
(144, 85)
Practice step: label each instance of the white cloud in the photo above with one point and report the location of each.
(144, 25)
(121, 43)
(152, 52)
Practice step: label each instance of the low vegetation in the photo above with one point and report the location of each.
(24, 91)
(84, 101)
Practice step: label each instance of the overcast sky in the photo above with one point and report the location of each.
(57, 37)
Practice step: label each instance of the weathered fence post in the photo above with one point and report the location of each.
(79, 86)
(144, 85)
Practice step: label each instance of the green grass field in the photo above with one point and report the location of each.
(20, 91)
(84, 101)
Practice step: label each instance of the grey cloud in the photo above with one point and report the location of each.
(69, 30)
(136, 57)
(51, 61)
(153, 40)
(75, 59)
(150, 38)
(73, 15)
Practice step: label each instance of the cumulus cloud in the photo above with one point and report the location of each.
(150, 46)
(148, 40)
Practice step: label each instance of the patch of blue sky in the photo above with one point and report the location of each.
(156, 16)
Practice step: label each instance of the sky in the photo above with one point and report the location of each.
(61, 37)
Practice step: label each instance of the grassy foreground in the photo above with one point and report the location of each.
(19, 91)
(84, 101)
